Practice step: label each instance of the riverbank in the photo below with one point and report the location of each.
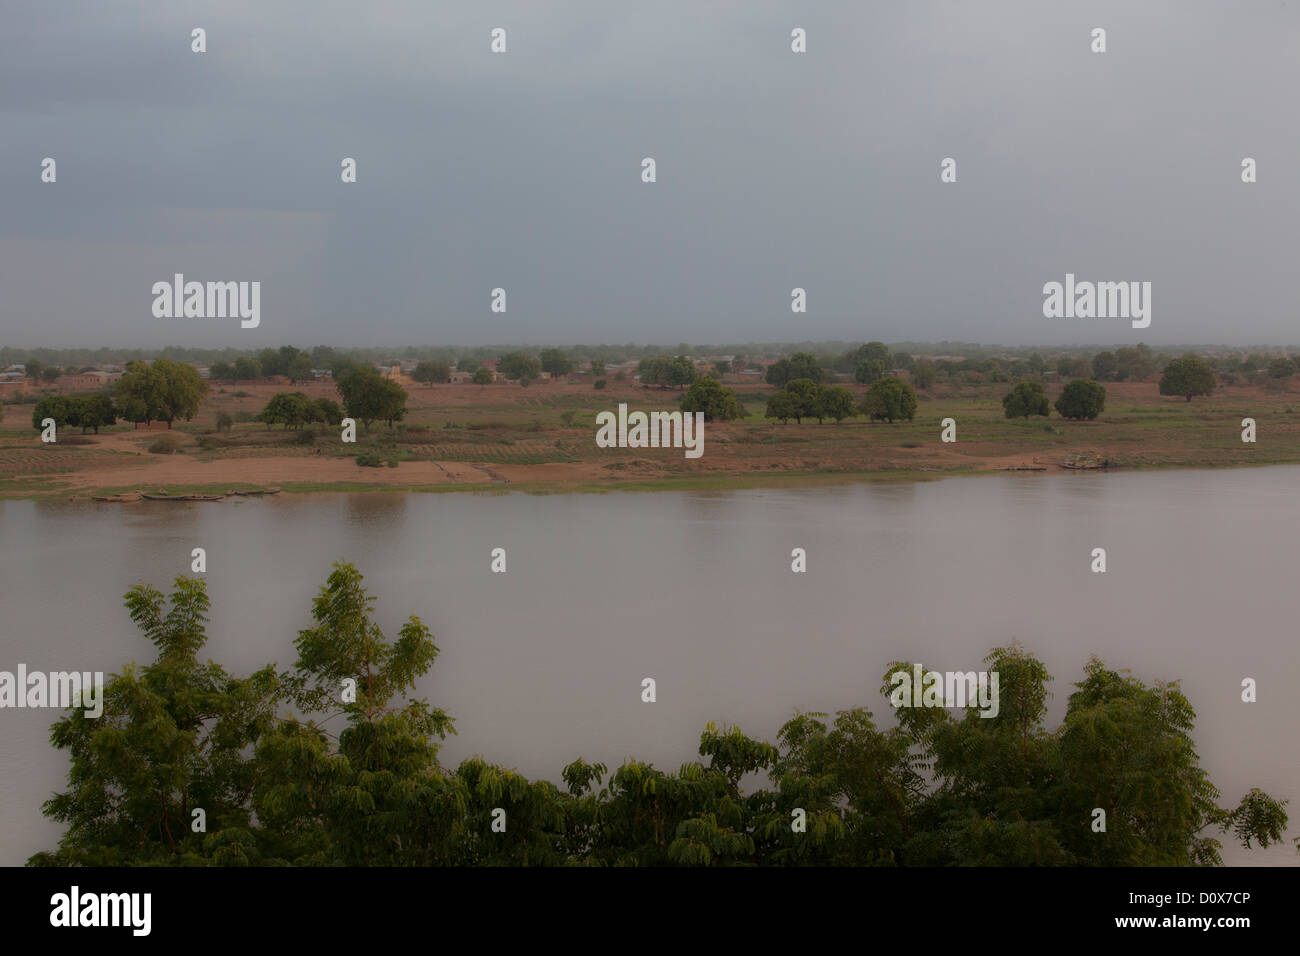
(541, 440)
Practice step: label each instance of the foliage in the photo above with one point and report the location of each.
(1082, 398)
(934, 788)
(369, 396)
(519, 366)
(1188, 376)
(889, 399)
(716, 402)
(1026, 399)
(429, 372)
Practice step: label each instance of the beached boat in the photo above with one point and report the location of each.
(125, 497)
(1087, 462)
(166, 497)
(252, 492)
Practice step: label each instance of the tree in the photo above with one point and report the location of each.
(247, 369)
(468, 364)
(1082, 398)
(1278, 368)
(1026, 399)
(292, 409)
(326, 410)
(889, 399)
(222, 372)
(299, 368)
(92, 411)
(923, 374)
(904, 360)
(430, 372)
(51, 373)
(173, 736)
(33, 369)
(1104, 366)
(868, 371)
(597, 369)
(57, 407)
(224, 422)
(482, 376)
(717, 403)
(780, 406)
(556, 362)
(681, 371)
(722, 367)
(1187, 376)
(1134, 364)
(369, 396)
(1074, 366)
(519, 366)
(800, 365)
(805, 399)
(835, 401)
(138, 393)
(177, 390)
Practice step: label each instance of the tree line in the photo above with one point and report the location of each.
(276, 782)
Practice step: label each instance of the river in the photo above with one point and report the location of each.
(544, 663)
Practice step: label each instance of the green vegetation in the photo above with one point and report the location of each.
(369, 396)
(1187, 376)
(1082, 398)
(933, 789)
(889, 399)
(1026, 399)
(717, 403)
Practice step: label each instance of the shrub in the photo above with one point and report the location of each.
(599, 383)
(168, 444)
(224, 421)
(370, 459)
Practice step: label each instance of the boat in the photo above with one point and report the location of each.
(1027, 468)
(163, 496)
(1087, 462)
(125, 497)
(252, 492)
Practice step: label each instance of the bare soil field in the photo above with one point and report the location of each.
(542, 437)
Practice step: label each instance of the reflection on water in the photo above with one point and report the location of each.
(544, 663)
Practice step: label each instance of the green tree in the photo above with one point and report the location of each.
(1082, 398)
(1187, 376)
(722, 367)
(57, 407)
(482, 376)
(326, 410)
(247, 369)
(1134, 364)
(369, 396)
(1104, 366)
(173, 737)
(92, 411)
(868, 371)
(291, 409)
(1280, 368)
(889, 399)
(1026, 399)
(556, 362)
(33, 369)
(519, 366)
(429, 372)
(923, 374)
(780, 406)
(221, 372)
(716, 402)
(805, 399)
(177, 390)
(299, 368)
(468, 364)
(835, 401)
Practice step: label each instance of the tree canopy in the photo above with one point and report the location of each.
(931, 787)
(1188, 376)
(1082, 398)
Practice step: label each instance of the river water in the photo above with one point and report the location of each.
(544, 663)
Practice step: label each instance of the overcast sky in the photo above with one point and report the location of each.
(523, 170)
